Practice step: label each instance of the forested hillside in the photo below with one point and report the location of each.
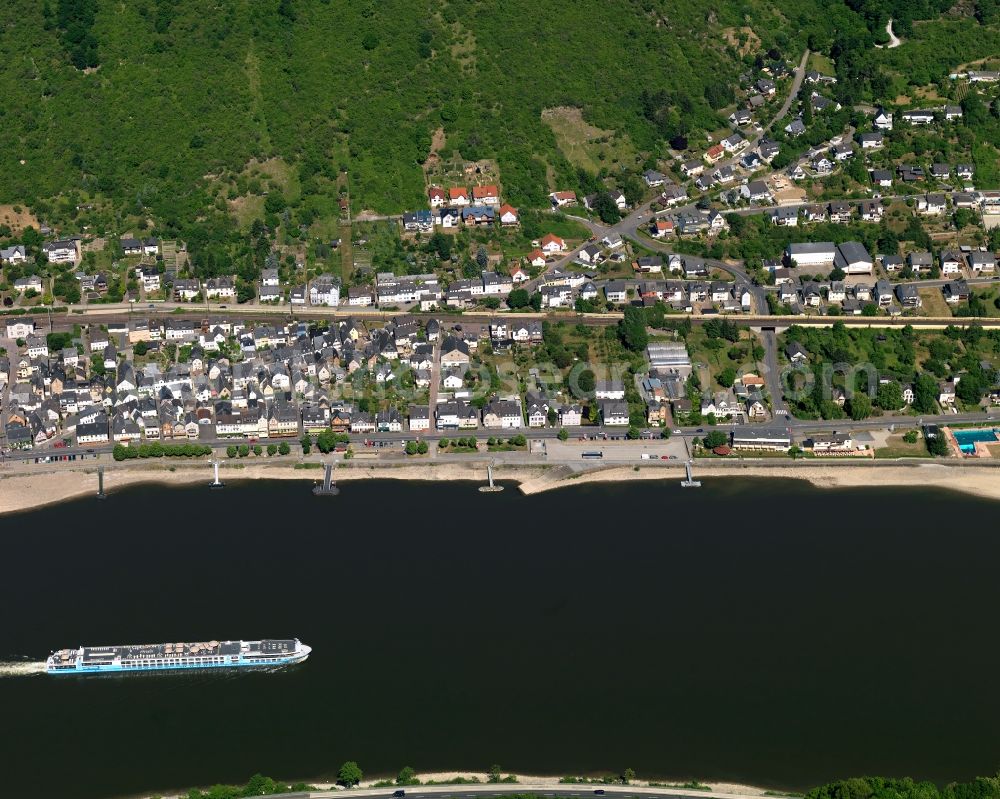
(152, 109)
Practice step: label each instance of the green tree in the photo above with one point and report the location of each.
(326, 441)
(272, 449)
(494, 774)
(284, 448)
(606, 208)
(632, 329)
(860, 406)
(726, 377)
(563, 434)
(889, 396)
(407, 776)
(925, 394)
(937, 446)
(411, 448)
(518, 298)
(715, 438)
(306, 442)
(350, 774)
(231, 451)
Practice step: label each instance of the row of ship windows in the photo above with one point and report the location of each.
(175, 661)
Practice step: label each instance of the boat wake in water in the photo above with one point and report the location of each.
(21, 668)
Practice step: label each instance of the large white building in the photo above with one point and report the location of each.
(324, 290)
(61, 252)
(853, 258)
(811, 253)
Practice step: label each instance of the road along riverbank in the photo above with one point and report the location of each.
(21, 491)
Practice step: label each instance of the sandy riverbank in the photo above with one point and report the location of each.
(982, 482)
(533, 783)
(34, 489)
(29, 490)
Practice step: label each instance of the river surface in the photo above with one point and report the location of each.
(763, 632)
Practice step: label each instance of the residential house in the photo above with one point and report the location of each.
(614, 413)
(552, 244)
(30, 283)
(955, 291)
(325, 290)
(918, 116)
(981, 262)
(504, 414)
(436, 196)
(509, 216)
(872, 141)
(486, 195)
(269, 279)
(535, 258)
(881, 178)
(659, 228)
(20, 328)
(653, 178)
(222, 288)
(419, 418)
(940, 171)
(785, 217)
(187, 289)
(692, 168)
(841, 213)
(908, 296)
(795, 128)
(562, 198)
(417, 221)
(951, 262)
(63, 251)
(883, 120)
(647, 264)
(448, 217)
(15, 255)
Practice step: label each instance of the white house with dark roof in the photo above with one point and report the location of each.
(853, 258)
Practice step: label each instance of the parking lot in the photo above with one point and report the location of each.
(619, 450)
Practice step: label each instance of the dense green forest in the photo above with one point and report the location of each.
(123, 115)
(889, 788)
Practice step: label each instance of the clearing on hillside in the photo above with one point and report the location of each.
(453, 170)
(17, 217)
(751, 41)
(583, 144)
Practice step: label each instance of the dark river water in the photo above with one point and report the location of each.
(763, 632)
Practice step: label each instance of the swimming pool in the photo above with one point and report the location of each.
(967, 438)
